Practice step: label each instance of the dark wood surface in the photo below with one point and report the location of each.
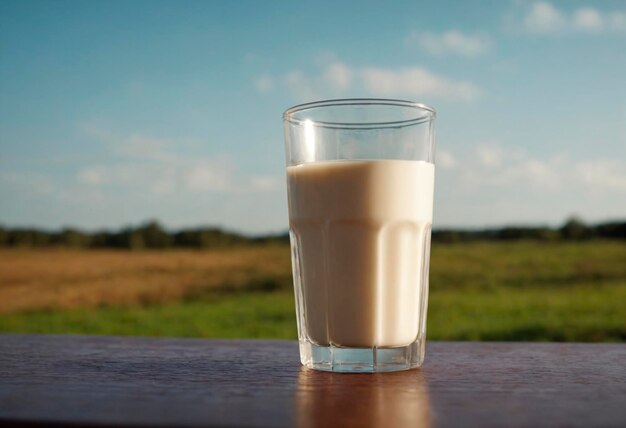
(95, 380)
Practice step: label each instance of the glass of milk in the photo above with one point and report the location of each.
(360, 179)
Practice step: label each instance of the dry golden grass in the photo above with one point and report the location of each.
(563, 291)
(60, 278)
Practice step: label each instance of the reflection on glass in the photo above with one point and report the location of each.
(364, 400)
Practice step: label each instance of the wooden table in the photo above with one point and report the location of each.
(105, 381)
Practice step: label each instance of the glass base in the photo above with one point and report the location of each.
(361, 360)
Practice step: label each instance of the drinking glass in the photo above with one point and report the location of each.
(360, 179)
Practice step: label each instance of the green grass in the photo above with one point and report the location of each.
(581, 313)
(481, 291)
(237, 315)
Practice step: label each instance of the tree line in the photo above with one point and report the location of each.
(148, 235)
(572, 230)
(151, 235)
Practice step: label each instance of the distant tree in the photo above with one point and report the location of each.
(128, 238)
(207, 238)
(516, 233)
(575, 229)
(73, 238)
(185, 238)
(281, 238)
(613, 230)
(547, 234)
(29, 238)
(509, 233)
(102, 239)
(448, 236)
(136, 241)
(154, 236)
(216, 238)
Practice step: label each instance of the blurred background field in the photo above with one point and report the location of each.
(480, 290)
(116, 112)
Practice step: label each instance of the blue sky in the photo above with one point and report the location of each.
(112, 113)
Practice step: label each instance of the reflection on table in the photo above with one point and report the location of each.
(365, 400)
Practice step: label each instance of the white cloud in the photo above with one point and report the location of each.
(141, 146)
(617, 21)
(452, 42)
(36, 183)
(264, 183)
(489, 155)
(300, 85)
(338, 75)
(206, 176)
(264, 83)
(445, 160)
(495, 165)
(151, 177)
(544, 18)
(588, 19)
(92, 175)
(497, 184)
(415, 82)
(165, 183)
(602, 173)
(337, 79)
(149, 164)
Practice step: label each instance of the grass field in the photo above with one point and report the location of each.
(479, 291)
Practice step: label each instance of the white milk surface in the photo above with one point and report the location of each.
(361, 228)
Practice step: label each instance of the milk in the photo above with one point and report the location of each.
(361, 234)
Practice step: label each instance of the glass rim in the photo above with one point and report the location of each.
(427, 113)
